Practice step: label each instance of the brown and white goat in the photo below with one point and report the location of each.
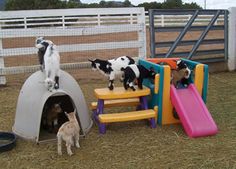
(181, 74)
(50, 117)
(69, 132)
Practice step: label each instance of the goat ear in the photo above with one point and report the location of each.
(179, 61)
(66, 114)
(90, 60)
(75, 111)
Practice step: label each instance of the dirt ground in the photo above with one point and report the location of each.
(71, 57)
(130, 145)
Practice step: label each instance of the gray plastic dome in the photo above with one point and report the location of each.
(32, 99)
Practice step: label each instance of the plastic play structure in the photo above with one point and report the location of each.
(163, 98)
(189, 103)
(121, 97)
(33, 98)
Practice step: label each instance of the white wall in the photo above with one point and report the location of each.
(232, 39)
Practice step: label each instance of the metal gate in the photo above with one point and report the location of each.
(186, 22)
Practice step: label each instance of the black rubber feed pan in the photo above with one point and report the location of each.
(7, 141)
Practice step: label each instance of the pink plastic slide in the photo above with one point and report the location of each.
(192, 111)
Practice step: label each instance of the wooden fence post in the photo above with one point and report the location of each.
(142, 34)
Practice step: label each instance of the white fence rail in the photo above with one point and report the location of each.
(71, 18)
(70, 22)
(181, 20)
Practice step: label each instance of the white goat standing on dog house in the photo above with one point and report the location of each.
(49, 60)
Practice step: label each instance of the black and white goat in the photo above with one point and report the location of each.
(112, 68)
(49, 60)
(181, 74)
(41, 44)
(139, 72)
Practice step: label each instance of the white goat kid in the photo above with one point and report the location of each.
(69, 132)
(49, 59)
(52, 67)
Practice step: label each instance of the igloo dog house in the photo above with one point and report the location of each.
(33, 97)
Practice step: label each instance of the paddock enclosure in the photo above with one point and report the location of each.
(83, 34)
(107, 33)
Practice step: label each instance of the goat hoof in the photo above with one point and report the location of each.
(70, 154)
(111, 87)
(56, 86)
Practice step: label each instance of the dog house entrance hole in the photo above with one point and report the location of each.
(49, 132)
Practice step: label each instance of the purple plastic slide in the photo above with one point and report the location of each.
(192, 111)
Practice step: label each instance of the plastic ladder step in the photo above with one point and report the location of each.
(127, 116)
(118, 102)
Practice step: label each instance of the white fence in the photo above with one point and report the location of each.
(78, 23)
(181, 20)
(69, 22)
(51, 18)
(232, 39)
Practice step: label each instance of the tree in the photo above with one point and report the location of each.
(34, 4)
(172, 4)
(102, 3)
(192, 5)
(57, 4)
(151, 5)
(76, 1)
(127, 3)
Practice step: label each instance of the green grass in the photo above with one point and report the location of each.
(133, 145)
